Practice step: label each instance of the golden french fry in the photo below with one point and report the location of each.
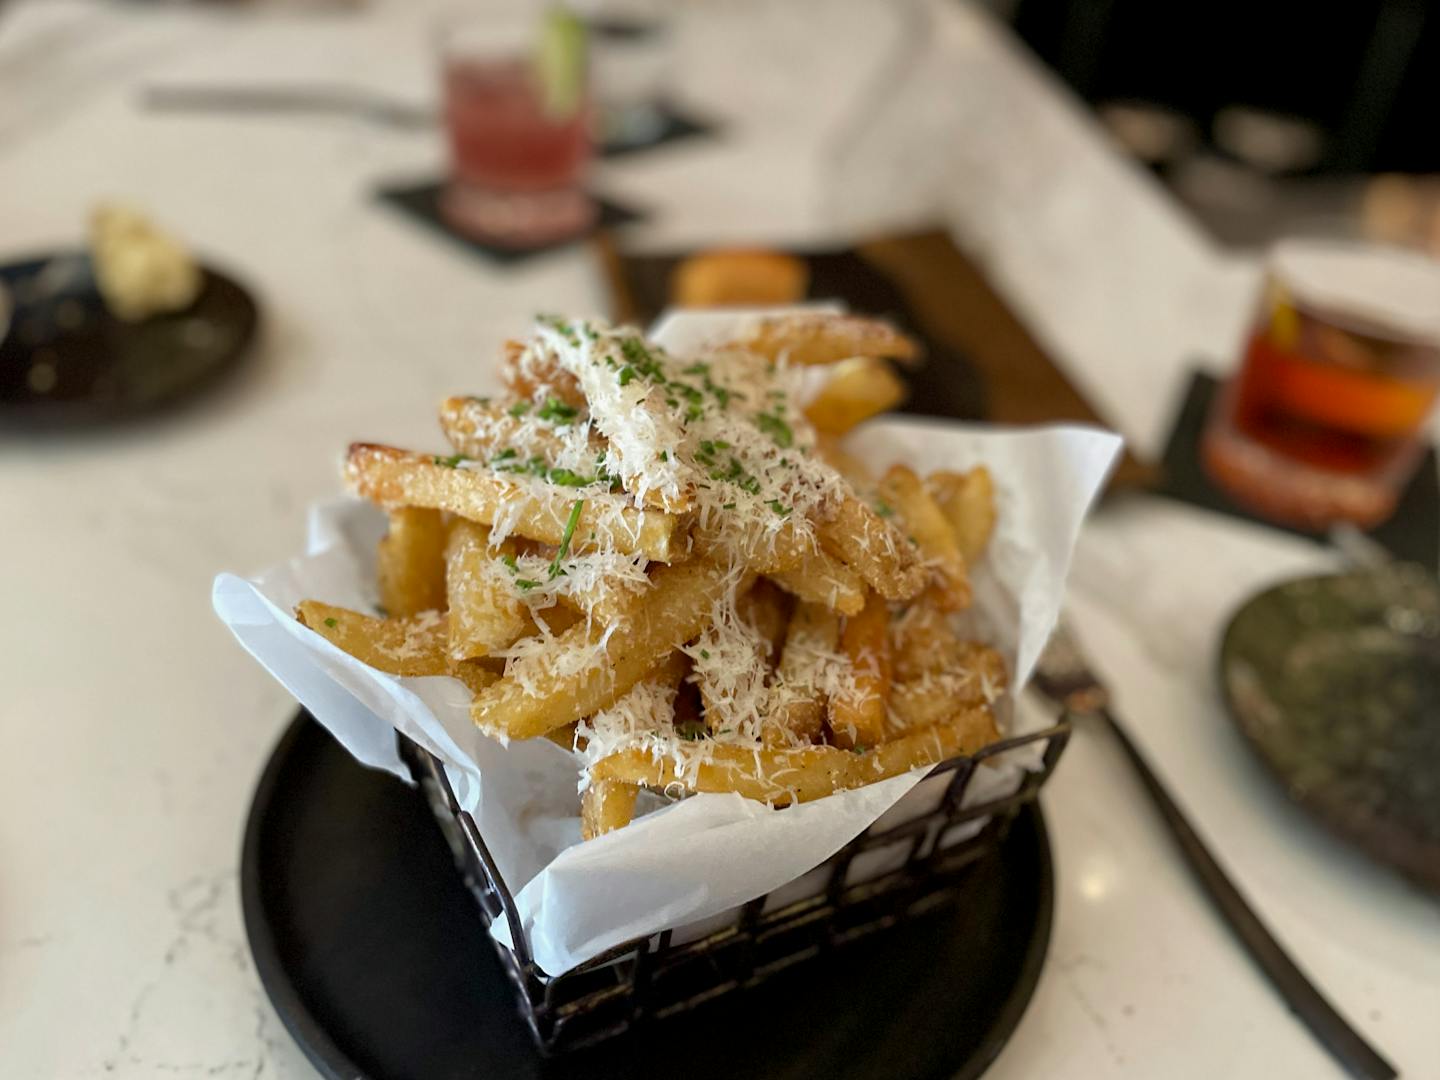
(968, 503)
(857, 717)
(923, 641)
(410, 564)
(923, 521)
(803, 774)
(738, 278)
(480, 427)
(530, 377)
(494, 432)
(763, 611)
(798, 714)
(977, 680)
(874, 549)
(606, 600)
(818, 338)
(590, 666)
(824, 579)
(408, 645)
(767, 609)
(400, 645)
(606, 805)
(485, 613)
(541, 512)
(862, 387)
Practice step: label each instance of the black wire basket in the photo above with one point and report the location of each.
(887, 874)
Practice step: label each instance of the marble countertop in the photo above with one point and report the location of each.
(135, 728)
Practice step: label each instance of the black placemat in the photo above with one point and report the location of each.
(422, 203)
(373, 951)
(1412, 533)
(675, 125)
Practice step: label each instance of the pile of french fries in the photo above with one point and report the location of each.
(756, 614)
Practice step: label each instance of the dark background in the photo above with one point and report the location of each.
(1366, 72)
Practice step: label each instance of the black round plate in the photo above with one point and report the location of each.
(1335, 683)
(67, 362)
(377, 961)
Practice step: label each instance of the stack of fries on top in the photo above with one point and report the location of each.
(666, 564)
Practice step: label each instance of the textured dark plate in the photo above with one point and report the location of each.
(376, 959)
(66, 361)
(1335, 682)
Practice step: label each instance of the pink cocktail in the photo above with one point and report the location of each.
(519, 146)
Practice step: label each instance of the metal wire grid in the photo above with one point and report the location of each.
(652, 978)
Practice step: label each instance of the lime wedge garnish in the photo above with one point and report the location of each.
(560, 63)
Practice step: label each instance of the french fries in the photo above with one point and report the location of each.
(606, 805)
(926, 525)
(861, 387)
(404, 645)
(486, 615)
(743, 609)
(797, 716)
(783, 777)
(410, 563)
(563, 679)
(393, 477)
(737, 278)
(857, 718)
(968, 503)
(528, 376)
(823, 579)
(806, 339)
(479, 427)
(980, 678)
(874, 549)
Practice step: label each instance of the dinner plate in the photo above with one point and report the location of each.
(65, 361)
(1335, 683)
(375, 956)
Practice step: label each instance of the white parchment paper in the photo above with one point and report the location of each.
(699, 858)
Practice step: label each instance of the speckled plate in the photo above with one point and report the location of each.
(1335, 682)
(66, 362)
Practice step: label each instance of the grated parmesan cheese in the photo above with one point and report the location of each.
(718, 436)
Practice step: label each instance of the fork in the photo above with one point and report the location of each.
(1065, 677)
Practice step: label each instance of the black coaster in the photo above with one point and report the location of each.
(422, 202)
(675, 125)
(1412, 533)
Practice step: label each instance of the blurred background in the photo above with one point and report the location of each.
(236, 236)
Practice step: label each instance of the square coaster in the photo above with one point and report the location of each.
(675, 125)
(422, 202)
(1412, 533)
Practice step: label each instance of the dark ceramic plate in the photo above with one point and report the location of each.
(373, 952)
(66, 361)
(1335, 682)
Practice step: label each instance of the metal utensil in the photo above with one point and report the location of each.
(1064, 676)
(294, 100)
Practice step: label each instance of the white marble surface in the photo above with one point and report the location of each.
(135, 728)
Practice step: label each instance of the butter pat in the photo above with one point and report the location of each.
(141, 270)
